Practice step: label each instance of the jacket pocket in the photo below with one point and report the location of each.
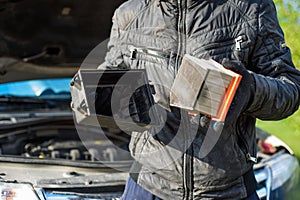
(249, 155)
(232, 48)
(246, 140)
(134, 55)
(213, 46)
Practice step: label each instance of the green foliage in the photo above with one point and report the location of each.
(289, 18)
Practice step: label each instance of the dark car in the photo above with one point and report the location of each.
(44, 153)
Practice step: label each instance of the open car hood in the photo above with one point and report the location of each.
(50, 38)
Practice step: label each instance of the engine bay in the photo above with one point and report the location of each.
(61, 140)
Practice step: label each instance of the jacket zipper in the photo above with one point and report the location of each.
(237, 41)
(187, 156)
(181, 32)
(134, 51)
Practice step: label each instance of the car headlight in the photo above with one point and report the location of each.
(17, 191)
(279, 170)
(283, 169)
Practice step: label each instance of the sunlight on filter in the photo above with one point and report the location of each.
(15, 191)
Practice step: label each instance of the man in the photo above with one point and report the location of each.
(184, 160)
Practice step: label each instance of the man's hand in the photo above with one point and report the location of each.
(245, 91)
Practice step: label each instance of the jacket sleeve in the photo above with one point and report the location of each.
(277, 82)
(114, 57)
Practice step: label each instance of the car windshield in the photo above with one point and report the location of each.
(50, 88)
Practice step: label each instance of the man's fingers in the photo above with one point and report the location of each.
(233, 65)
